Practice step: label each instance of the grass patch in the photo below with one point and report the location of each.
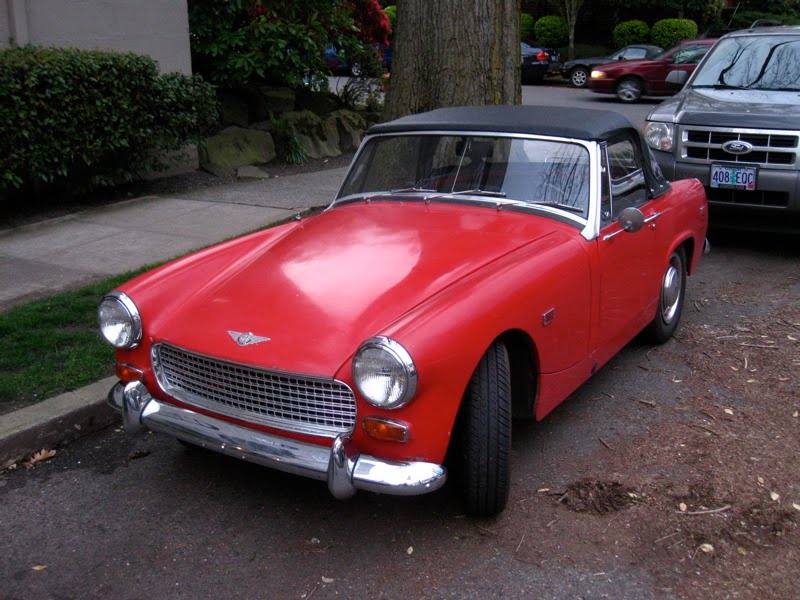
(53, 345)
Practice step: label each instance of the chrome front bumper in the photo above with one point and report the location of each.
(340, 464)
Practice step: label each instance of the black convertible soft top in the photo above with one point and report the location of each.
(577, 123)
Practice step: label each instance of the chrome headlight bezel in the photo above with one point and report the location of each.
(119, 305)
(659, 135)
(399, 368)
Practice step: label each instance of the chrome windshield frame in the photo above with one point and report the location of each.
(589, 225)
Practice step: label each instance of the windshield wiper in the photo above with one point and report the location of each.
(569, 207)
(411, 189)
(721, 86)
(478, 193)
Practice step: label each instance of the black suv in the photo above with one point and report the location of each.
(735, 126)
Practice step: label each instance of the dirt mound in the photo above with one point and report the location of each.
(598, 497)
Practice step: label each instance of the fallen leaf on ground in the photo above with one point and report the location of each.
(775, 496)
(728, 411)
(410, 550)
(683, 507)
(542, 490)
(795, 506)
(707, 548)
(41, 456)
(327, 579)
(39, 567)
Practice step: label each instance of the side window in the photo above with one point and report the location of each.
(690, 55)
(624, 183)
(635, 53)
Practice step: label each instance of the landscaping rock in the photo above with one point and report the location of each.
(236, 147)
(350, 126)
(319, 138)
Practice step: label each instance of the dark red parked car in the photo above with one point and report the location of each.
(632, 79)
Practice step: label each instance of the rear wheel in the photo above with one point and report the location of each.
(670, 299)
(630, 89)
(485, 434)
(579, 77)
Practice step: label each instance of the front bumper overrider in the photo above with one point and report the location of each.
(340, 464)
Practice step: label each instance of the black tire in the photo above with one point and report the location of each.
(579, 77)
(485, 435)
(670, 299)
(630, 89)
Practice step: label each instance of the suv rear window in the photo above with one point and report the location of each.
(753, 62)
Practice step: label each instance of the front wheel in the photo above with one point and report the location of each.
(579, 77)
(485, 434)
(630, 90)
(670, 299)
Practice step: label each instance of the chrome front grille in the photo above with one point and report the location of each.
(298, 403)
(771, 149)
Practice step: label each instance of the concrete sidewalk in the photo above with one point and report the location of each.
(45, 258)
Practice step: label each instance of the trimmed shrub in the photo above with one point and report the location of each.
(75, 120)
(526, 26)
(631, 32)
(551, 32)
(668, 32)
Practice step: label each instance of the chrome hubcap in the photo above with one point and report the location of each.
(628, 92)
(671, 289)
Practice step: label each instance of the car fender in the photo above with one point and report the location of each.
(448, 334)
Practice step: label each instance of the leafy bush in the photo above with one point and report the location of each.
(631, 32)
(391, 14)
(668, 32)
(76, 120)
(236, 42)
(551, 31)
(526, 26)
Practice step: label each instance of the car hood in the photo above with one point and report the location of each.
(731, 108)
(331, 282)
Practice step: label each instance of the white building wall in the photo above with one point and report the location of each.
(157, 28)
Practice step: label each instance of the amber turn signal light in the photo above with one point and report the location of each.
(126, 373)
(386, 430)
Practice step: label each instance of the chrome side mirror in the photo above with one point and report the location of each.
(631, 219)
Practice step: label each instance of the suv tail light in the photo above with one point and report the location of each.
(543, 56)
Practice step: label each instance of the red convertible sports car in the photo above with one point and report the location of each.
(478, 264)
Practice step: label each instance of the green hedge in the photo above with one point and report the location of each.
(74, 120)
(668, 32)
(631, 32)
(526, 26)
(551, 32)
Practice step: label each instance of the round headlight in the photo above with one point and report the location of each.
(384, 373)
(658, 135)
(119, 321)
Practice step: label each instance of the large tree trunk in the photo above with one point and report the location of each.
(454, 53)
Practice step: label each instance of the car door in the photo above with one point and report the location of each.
(684, 58)
(627, 259)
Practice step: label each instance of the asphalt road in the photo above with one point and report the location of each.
(115, 516)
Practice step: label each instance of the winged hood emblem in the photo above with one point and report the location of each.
(247, 338)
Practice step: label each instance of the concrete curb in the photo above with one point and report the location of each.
(55, 422)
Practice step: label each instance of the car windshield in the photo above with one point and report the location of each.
(757, 62)
(520, 171)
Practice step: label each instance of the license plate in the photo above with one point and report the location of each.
(737, 178)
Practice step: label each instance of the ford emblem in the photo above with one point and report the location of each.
(737, 147)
